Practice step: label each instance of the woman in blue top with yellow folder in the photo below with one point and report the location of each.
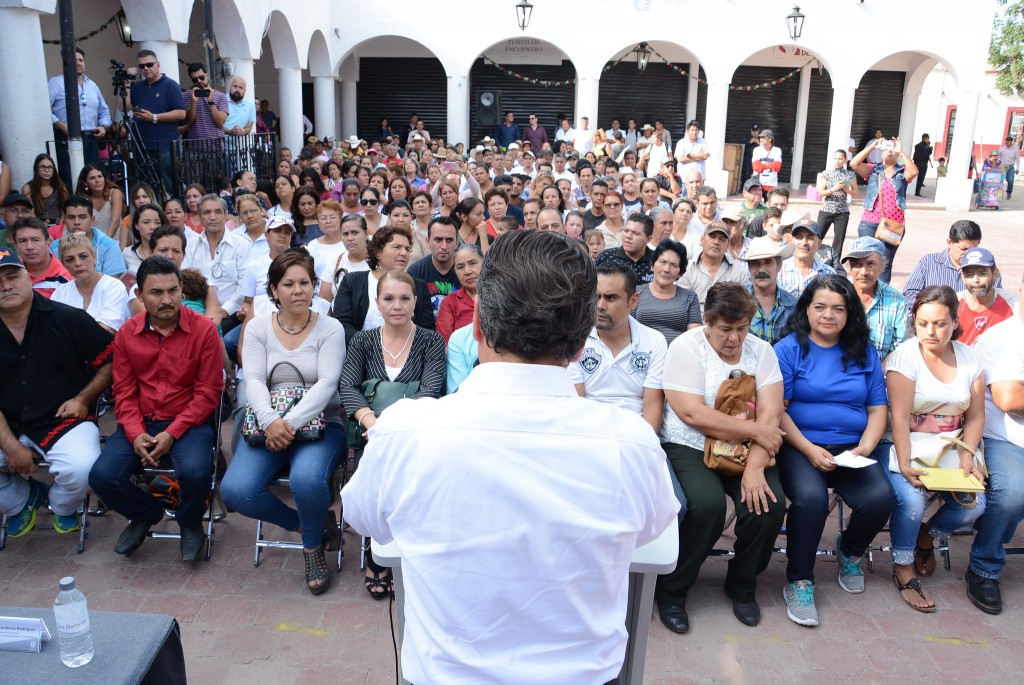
(936, 389)
(836, 402)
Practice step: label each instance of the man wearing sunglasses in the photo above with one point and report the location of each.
(206, 109)
(158, 108)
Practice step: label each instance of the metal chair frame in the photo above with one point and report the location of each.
(282, 481)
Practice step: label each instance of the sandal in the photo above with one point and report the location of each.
(915, 585)
(379, 584)
(924, 561)
(316, 570)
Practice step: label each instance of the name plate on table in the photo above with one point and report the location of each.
(22, 634)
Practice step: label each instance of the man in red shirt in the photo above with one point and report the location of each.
(168, 378)
(982, 305)
(32, 240)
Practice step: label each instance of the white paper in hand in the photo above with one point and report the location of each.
(851, 460)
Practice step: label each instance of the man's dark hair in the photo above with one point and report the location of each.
(157, 265)
(617, 267)
(693, 122)
(537, 296)
(193, 67)
(146, 53)
(78, 201)
(29, 222)
(704, 191)
(163, 232)
(581, 165)
(644, 220)
(80, 51)
(444, 221)
(600, 183)
(772, 213)
(964, 229)
(777, 190)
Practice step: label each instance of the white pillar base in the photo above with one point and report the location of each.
(290, 89)
(955, 194)
(458, 111)
(691, 93)
(588, 91)
(349, 109)
(714, 133)
(796, 165)
(842, 120)
(323, 106)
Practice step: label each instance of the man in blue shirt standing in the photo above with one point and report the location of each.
(507, 131)
(159, 107)
(94, 115)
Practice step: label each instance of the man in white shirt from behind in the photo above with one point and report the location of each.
(515, 485)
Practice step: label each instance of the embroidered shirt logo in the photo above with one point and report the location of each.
(590, 360)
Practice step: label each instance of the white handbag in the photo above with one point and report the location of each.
(938, 450)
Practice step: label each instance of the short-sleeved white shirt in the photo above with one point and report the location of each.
(683, 149)
(324, 255)
(620, 379)
(1003, 360)
(932, 396)
(108, 305)
(692, 366)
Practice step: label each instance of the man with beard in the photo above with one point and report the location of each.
(982, 305)
(774, 305)
(437, 269)
(885, 307)
(633, 251)
(206, 109)
(241, 112)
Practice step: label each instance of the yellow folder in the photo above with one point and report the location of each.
(952, 480)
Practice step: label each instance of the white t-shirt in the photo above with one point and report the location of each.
(684, 148)
(583, 141)
(108, 305)
(768, 177)
(324, 255)
(692, 366)
(621, 379)
(1003, 360)
(335, 271)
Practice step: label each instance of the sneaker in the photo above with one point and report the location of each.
(25, 520)
(67, 524)
(799, 598)
(851, 576)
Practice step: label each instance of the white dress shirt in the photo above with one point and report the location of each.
(531, 495)
(224, 270)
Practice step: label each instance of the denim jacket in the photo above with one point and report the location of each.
(897, 180)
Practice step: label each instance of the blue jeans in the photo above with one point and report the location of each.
(866, 491)
(1010, 173)
(868, 228)
(1005, 509)
(908, 514)
(231, 340)
(191, 457)
(308, 466)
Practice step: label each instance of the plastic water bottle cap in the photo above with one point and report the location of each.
(67, 583)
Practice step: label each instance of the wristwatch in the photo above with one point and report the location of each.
(154, 118)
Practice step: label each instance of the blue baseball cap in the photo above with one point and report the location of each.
(8, 258)
(864, 246)
(977, 256)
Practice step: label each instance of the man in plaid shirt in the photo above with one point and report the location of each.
(885, 307)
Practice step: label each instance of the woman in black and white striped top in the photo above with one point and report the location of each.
(398, 351)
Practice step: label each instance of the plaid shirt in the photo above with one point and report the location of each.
(887, 319)
(769, 327)
(792, 281)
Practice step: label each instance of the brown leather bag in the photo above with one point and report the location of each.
(737, 397)
(890, 232)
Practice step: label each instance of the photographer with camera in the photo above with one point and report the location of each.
(157, 107)
(95, 117)
(206, 109)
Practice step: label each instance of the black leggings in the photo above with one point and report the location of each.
(840, 221)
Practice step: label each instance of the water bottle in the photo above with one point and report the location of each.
(72, 613)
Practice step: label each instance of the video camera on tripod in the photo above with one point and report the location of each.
(121, 78)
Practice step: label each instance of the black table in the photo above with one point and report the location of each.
(131, 649)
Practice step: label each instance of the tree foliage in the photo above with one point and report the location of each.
(1006, 52)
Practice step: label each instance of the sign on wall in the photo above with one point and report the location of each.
(524, 51)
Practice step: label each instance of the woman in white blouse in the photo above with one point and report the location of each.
(146, 219)
(698, 362)
(936, 387)
(102, 297)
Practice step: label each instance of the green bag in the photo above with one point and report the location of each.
(380, 395)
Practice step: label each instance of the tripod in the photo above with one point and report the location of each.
(127, 145)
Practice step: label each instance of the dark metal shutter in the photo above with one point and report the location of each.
(877, 104)
(523, 97)
(819, 122)
(773, 108)
(702, 97)
(395, 87)
(657, 93)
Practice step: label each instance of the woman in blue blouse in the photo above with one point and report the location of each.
(836, 401)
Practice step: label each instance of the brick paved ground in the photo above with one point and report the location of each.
(242, 624)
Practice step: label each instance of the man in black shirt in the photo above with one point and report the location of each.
(56, 361)
(595, 216)
(922, 158)
(633, 251)
(437, 269)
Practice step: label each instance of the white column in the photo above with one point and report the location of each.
(714, 133)
(349, 108)
(458, 110)
(289, 83)
(954, 191)
(796, 165)
(167, 53)
(691, 92)
(323, 106)
(337, 111)
(908, 118)
(244, 67)
(587, 94)
(842, 120)
(24, 101)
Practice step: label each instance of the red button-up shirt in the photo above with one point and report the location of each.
(455, 312)
(178, 377)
